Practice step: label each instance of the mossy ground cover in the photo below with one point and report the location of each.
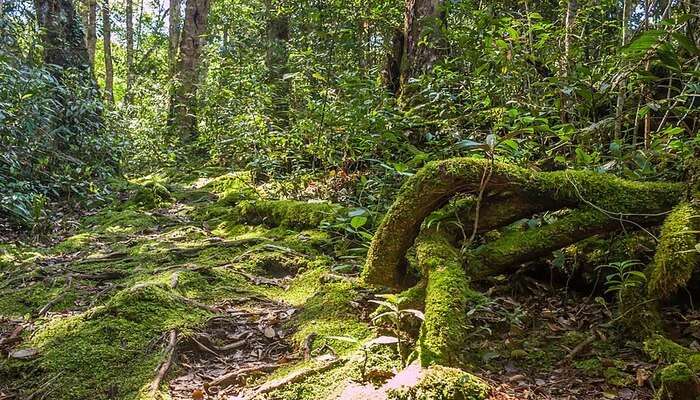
(98, 305)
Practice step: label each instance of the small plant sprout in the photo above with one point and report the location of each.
(624, 276)
(365, 348)
(395, 315)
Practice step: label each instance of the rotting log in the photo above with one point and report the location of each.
(434, 185)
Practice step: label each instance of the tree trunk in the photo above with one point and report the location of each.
(391, 75)
(129, 50)
(424, 42)
(107, 41)
(276, 61)
(92, 29)
(64, 46)
(174, 27)
(183, 106)
(62, 37)
(620, 106)
(565, 60)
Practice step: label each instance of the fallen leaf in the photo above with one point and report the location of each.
(197, 394)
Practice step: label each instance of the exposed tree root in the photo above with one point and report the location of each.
(165, 365)
(294, 377)
(437, 182)
(586, 204)
(447, 297)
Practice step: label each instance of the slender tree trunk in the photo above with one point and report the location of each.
(174, 27)
(92, 29)
(620, 106)
(107, 41)
(129, 50)
(183, 106)
(276, 61)
(424, 42)
(566, 59)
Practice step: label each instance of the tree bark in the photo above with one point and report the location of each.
(424, 42)
(92, 29)
(183, 106)
(64, 46)
(174, 27)
(620, 106)
(276, 61)
(391, 75)
(129, 50)
(107, 41)
(62, 36)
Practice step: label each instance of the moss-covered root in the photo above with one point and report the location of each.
(288, 213)
(677, 382)
(447, 297)
(676, 256)
(443, 383)
(664, 350)
(437, 182)
(515, 248)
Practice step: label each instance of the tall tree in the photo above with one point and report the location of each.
(129, 50)
(64, 46)
(174, 27)
(107, 42)
(62, 35)
(424, 42)
(91, 29)
(627, 7)
(183, 105)
(276, 59)
(420, 44)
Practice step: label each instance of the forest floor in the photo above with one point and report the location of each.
(194, 287)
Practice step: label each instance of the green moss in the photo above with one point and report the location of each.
(231, 182)
(121, 222)
(446, 301)
(675, 258)
(151, 195)
(677, 382)
(432, 186)
(615, 377)
(591, 367)
(659, 348)
(442, 383)
(108, 350)
(288, 213)
(74, 243)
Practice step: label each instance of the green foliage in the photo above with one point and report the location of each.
(624, 276)
(51, 144)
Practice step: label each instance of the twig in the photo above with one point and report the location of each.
(579, 348)
(165, 366)
(477, 208)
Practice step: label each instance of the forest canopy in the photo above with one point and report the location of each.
(317, 199)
